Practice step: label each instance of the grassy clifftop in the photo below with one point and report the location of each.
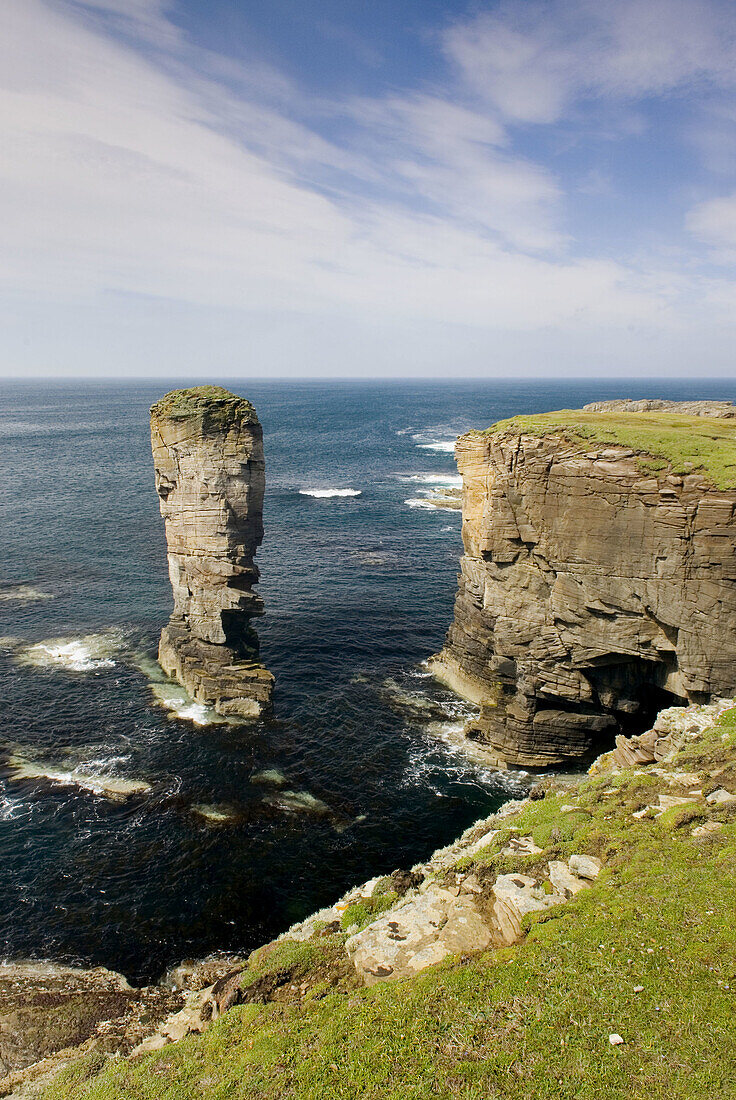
(682, 443)
(648, 952)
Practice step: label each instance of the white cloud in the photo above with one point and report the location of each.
(714, 223)
(532, 60)
(118, 181)
(146, 19)
(126, 180)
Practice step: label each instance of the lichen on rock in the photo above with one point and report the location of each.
(210, 477)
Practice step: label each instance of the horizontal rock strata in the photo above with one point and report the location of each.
(208, 456)
(591, 593)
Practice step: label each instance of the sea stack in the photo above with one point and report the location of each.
(210, 477)
(598, 582)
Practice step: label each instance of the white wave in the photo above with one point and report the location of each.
(8, 808)
(24, 593)
(330, 492)
(107, 786)
(85, 654)
(448, 481)
(443, 445)
(420, 502)
(181, 705)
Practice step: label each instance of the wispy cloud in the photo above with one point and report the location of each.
(137, 165)
(533, 60)
(714, 223)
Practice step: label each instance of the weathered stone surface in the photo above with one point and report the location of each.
(721, 409)
(425, 929)
(672, 728)
(516, 895)
(585, 866)
(208, 456)
(719, 797)
(590, 594)
(564, 882)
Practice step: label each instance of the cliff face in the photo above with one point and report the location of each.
(208, 456)
(596, 586)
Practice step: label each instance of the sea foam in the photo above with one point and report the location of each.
(443, 445)
(85, 654)
(323, 493)
(23, 593)
(106, 786)
(449, 481)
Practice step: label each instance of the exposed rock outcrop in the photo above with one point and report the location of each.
(208, 457)
(725, 409)
(595, 587)
(51, 1014)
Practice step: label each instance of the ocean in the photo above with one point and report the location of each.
(222, 835)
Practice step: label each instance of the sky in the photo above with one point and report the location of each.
(337, 188)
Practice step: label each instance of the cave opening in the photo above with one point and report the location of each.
(633, 691)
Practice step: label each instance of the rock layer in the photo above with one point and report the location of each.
(208, 456)
(592, 592)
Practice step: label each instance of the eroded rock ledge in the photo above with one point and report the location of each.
(597, 583)
(208, 456)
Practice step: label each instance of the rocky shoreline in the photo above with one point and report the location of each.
(392, 927)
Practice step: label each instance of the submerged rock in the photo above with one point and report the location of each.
(47, 1008)
(208, 456)
(113, 787)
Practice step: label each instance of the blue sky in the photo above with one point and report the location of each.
(337, 188)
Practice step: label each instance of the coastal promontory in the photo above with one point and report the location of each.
(598, 578)
(210, 477)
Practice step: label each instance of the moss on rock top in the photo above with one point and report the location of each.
(213, 403)
(684, 444)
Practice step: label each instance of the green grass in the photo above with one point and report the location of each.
(215, 403)
(664, 441)
(525, 1023)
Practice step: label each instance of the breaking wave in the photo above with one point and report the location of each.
(24, 593)
(85, 654)
(83, 776)
(323, 493)
(448, 481)
(444, 446)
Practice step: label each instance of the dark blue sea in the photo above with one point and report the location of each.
(240, 830)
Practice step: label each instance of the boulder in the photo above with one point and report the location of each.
(418, 932)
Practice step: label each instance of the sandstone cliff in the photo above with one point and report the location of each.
(208, 456)
(597, 583)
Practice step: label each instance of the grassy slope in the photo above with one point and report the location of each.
(527, 1022)
(685, 443)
